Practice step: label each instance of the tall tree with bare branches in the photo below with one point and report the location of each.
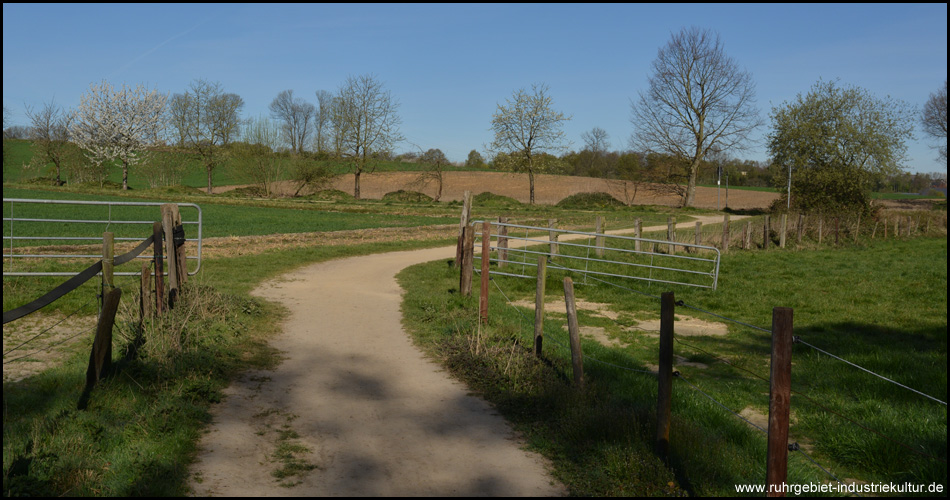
(935, 120)
(526, 127)
(49, 131)
(698, 99)
(295, 116)
(207, 118)
(366, 124)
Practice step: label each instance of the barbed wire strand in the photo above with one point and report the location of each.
(47, 348)
(800, 341)
(90, 301)
(792, 390)
(714, 400)
(826, 471)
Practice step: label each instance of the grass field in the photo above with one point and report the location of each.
(880, 304)
(870, 319)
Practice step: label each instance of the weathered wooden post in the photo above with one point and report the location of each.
(801, 225)
(108, 261)
(159, 271)
(837, 228)
(486, 256)
(145, 295)
(465, 278)
(821, 230)
(725, 233)
(463, 223)
(765, 234)
(599, 239)
(781, 236)
(747, 244)
(665, 375)
(637, 230)
(552, 236)
(776, 469)
(502, 241)
(539, 305)
(671, 233)
(179, 238)
(171, 254)
(577, 357)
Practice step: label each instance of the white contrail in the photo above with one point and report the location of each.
(153, 49)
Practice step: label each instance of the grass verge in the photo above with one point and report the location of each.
(880, 305)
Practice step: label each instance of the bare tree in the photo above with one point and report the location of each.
(207, 118)
(595, 146)
(50, 134)
(698, 98)
(525, 127)
(366, 124)
(296, 118)
(256, 158)
(322, 122)
(435, 163)
(117, 124)
(935, 119)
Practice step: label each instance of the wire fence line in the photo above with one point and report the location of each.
(800, 341)
(26, 342)
(677, 375)
(797, 339)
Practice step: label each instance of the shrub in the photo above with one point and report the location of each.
(590, 201)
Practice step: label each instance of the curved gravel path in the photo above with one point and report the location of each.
(378, 418)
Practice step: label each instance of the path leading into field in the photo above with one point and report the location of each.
(378, 418)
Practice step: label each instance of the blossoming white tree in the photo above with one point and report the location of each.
(118, 124)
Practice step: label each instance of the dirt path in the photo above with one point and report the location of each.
(377, 418)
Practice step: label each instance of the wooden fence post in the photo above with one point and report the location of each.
(182, 264)
(552, 236)
(801, 225)
(781, 237)
(486, 258)
(765, 234)
(747, 244)
(665, 375)
(671, 234)
(776, 469)
(539, 305)
(145, 295)
(465, 278)
(599, 239)
(837, 228)
(168, 228)
(108, 261)
(158, 260)
(637, 230)
(577, 357)
(725, 233)
(463, 223)
(100, 358)
(502, 241)
(821, 230)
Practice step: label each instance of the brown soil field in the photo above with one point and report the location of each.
(548, 189)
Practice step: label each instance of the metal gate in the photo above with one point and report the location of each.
(603, 255)
(29, 226)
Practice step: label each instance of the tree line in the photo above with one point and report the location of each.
(828, 147)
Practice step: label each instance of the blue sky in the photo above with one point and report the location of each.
(450, 65)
